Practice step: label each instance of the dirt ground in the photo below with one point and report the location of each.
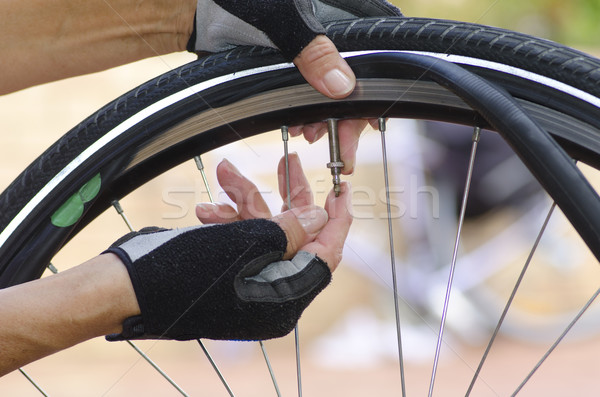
(32, 119)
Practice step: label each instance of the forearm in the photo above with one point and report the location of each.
(57, 312)
(43, 40)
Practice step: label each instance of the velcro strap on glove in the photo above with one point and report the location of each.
(219, 282)
(289, 25)
(336, 10)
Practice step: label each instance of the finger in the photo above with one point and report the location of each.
(296, 131)
(323, 68)
(301, 225)
(374, 123)
(245, 194)
(209, 213)
(329, 243)
(300, 192)
(314, 132)
(349, 135)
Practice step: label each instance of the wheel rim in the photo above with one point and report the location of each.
(181, 130)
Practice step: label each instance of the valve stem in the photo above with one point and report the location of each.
(336, 165)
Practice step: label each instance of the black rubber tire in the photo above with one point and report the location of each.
(560, 86)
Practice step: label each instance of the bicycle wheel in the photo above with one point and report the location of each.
(227, 97)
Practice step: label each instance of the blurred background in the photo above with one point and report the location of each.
(574, 23)
(348, 336)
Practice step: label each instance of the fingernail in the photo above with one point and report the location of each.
(338, 83)
(232, 167)
(205, 209)
(312, 219)
(296, 131)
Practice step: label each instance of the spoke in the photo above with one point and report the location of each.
(121, 212)
(215, 367)
(298, 364)
(557, 342)
(476, 138)
(271, 372)
(52, 268)
(511, 298)
(33, 382)
(285, 138)
(157, 368)
(200, 166)
(382, 129)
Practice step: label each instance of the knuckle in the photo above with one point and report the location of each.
(320, 52)
(293, 232)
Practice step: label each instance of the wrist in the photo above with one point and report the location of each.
(114, 286)
(53, 313)
(96, 295)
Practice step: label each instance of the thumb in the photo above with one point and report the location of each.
(323, 68)
(301, 225)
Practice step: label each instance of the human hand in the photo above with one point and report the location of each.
(242, 278)
(296, 28)
(327, 228)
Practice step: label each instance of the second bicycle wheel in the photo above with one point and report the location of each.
(227, 97)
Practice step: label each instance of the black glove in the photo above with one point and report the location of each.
(219, 282)
(285, 24)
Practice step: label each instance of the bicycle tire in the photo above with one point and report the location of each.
(558, 86)
(549, 80)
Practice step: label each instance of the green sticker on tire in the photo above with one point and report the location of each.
(72, 210)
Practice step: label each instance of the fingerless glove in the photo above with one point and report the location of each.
(219, 282)
(288, 25)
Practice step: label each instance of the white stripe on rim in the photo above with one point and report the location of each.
(118, 131)
(197, 89)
